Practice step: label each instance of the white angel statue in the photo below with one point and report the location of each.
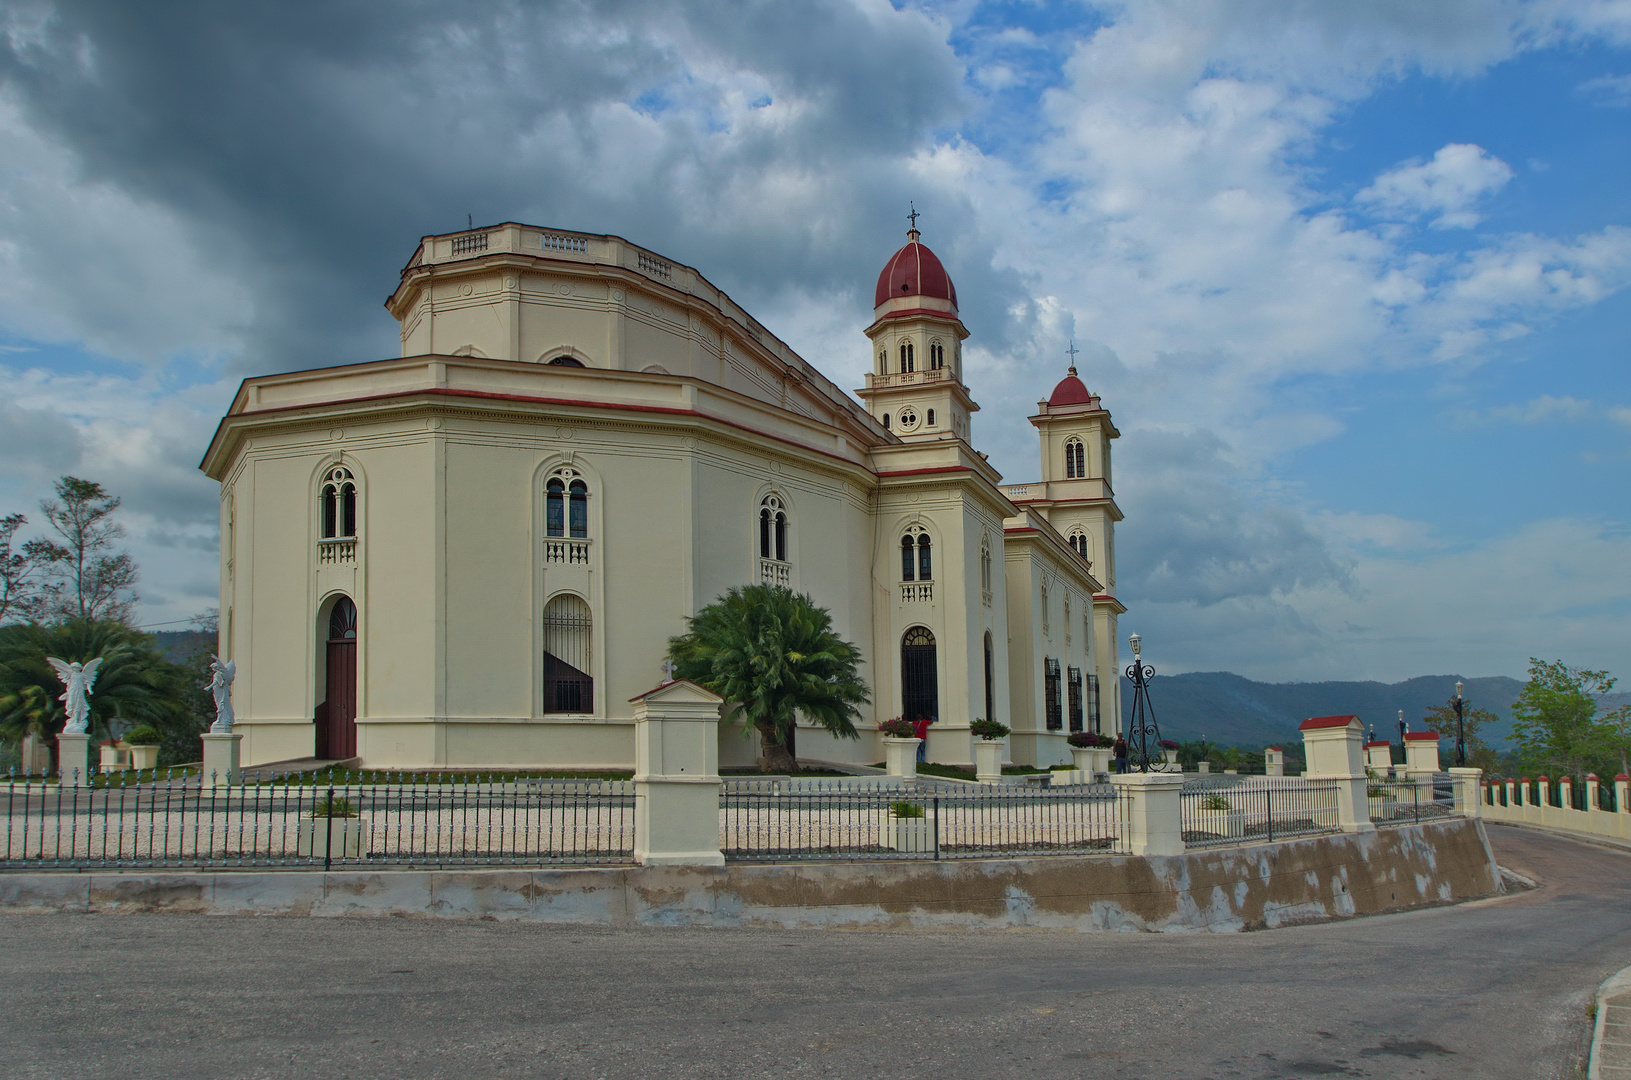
(222, 672)
(77, 680)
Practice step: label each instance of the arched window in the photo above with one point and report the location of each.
(907, 362)
(883, 361)
(919, 675)
(1075, 460)
(1080, 544)
(568, 686)
(565, 361)
(930, 418)
(886, 420)
(1067, 618)
(337, 505)
(566, 505)
(772, 529)
(1046, 622)
(937, 356)
(985, 569)
(990, 693)
(915, 561)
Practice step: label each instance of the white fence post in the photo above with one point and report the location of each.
(676, 776)
(1151, 809)
(1469, 791)
(1335, 751)
(1622, 793)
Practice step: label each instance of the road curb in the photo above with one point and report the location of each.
(1611, 1049)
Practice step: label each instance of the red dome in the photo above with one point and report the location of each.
(914, 271)
(1070, 391)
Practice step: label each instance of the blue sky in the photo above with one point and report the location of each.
(1352, 278)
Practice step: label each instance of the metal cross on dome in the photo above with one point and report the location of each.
(1073, 350)
(914, 215)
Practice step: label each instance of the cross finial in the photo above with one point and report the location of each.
(914, 215)
(1073, 350)
(668, 670)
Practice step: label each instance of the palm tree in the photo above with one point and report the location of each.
(772, 654)
(134, 684)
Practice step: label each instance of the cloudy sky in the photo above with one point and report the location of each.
(1351, 276)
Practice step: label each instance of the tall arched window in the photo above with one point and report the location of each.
(1046, 623)
(985, 568)
(1080, 544)
(566, 505)
(990, 693)
(1067, 618)
(772, 529)
(937, 356)
(907, 361)
(337, 505)
(915, 560)
(568, 685)
(883, 361)
(919, 675)
(1075, 460)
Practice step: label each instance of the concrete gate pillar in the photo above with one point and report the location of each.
(1334, 747)
(1469, 791)
(1151, 812)
(676, 776)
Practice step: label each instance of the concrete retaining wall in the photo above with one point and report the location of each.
(1221, 890)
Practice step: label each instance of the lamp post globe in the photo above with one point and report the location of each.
(1460, 727)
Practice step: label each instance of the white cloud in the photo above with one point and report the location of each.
(1544, 409)
(1443, 189)
(1611, 90)
(1620, 415)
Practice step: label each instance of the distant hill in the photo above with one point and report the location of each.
(177, 645)
(1235, 711)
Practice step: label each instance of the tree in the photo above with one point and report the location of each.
(1440, 720)
(134, 684)
(24, 592)
(772, 654)
(99, 581)
(1555, 721)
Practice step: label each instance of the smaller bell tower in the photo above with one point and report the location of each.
(915, 388)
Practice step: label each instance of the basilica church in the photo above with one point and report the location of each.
(474, 555)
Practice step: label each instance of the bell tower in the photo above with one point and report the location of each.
(915, 388)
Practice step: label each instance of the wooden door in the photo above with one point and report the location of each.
(340, 710)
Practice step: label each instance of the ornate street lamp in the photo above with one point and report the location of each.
(1142, 726)
(1460, 727)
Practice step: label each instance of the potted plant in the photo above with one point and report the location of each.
(1219, 816)
(1091, 751)
(899, 747)
(115, 755)
(333, 830)
(143, 740)
(1169, 750)
(910, 827)
(988, 749)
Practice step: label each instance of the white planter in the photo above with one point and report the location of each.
(910, 834)
(334, 838)
(1231, 823)
(1172, 765)
(988, 760)
(900, 757)
(144, 757)
(114, 757)
(1092, 760)
(1382, 807)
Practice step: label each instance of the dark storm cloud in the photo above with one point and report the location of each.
(309, 146)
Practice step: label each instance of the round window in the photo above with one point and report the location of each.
(907, 419)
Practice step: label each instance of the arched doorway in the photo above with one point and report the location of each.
(919, 675)
(337, 714)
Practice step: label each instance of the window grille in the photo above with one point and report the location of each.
(1074, 684)
(1093, 721)
(1050, 678)
(568, 686)
(920, 677)
(990, 680)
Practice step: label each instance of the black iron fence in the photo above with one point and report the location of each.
(1219, 810)
(1410, 801)
(789, 820)
(302, 822)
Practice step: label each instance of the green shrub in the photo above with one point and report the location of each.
(989, 730)
(144, 735)
(904, 809)
(334, 806)
(1215, 802)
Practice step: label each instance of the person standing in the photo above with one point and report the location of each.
(920, 730)
(1119, 752)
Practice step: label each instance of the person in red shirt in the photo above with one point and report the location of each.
(920, 730)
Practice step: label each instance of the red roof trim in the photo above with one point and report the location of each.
(666, 685)
(1422, 736)
(1327, 722)
(1378, 742)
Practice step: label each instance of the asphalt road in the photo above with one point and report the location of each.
(1492, 989)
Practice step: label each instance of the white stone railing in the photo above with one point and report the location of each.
(568, 552)
(909, 378)
(1017, 491)
(914, 592)
(552, 242)
(1528, 802)
(654, 266)
(465, 245)
(338, 550)
(775, 572)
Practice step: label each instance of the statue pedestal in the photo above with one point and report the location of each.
(36, 756)
(220, 758)
(74, 759)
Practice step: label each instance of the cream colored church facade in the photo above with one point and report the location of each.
(474, 555)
